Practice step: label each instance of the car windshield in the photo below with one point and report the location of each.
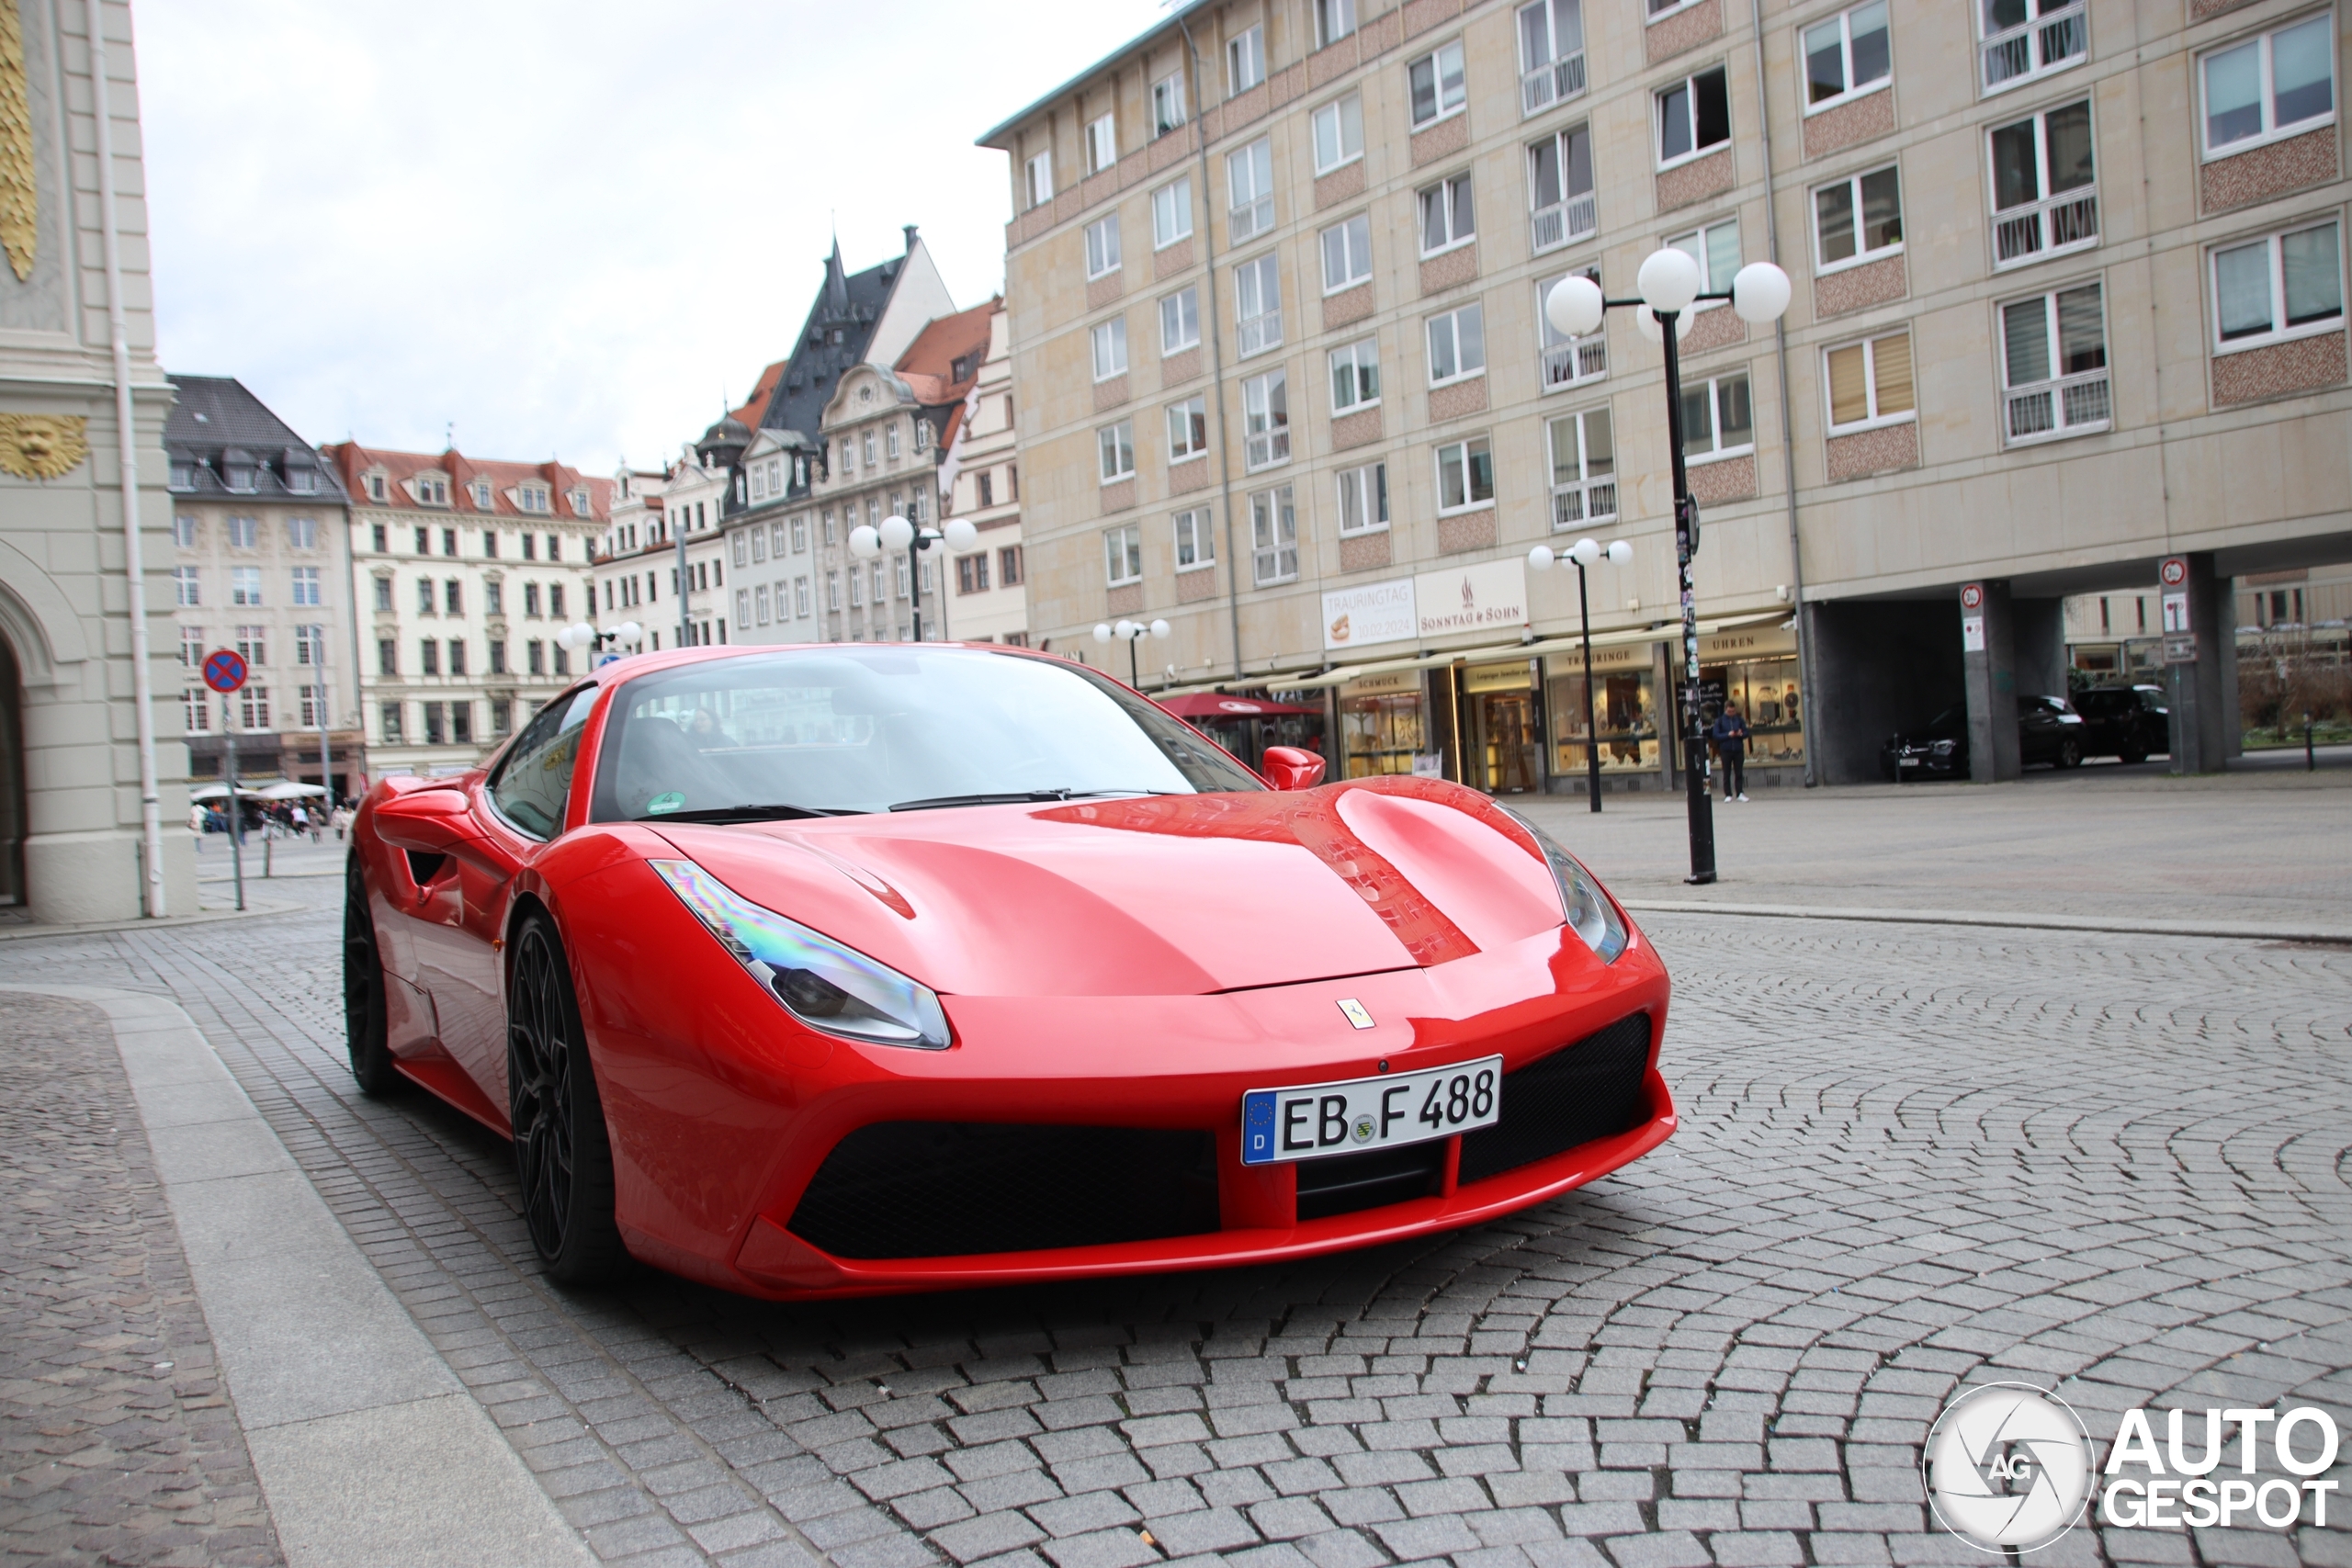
(1949, 725)
(846, 729)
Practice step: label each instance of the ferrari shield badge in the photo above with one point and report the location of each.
(1358, 1014)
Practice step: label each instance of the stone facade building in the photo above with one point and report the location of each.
(979, 481)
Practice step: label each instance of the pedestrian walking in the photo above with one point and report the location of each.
(1729, 732)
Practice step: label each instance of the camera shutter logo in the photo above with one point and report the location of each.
(2008, 1467)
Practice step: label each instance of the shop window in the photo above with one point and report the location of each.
(1693, 118)
(1122, 556)
(2281, 83)
(1569, 361)
(1381, 726)
(1435, 85)
(2045, 197)
(1846, 57)
(1559, 189)
(1363, 500)
(1102, 247)
(1717, 421)
(2280, 286)
(1584, 468)
(1339, 133)
(1196, 542)
(1857, 220)
(2027, 40)
(1274, 537)
(1551, 53)
(1355, 377)
(2053, 362)
(1870, 383)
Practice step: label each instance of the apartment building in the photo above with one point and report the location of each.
(464, 571)
(979, 481)
(676, 598)
(2068, 302)
(261, 563)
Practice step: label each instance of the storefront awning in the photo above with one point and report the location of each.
(1495, 651)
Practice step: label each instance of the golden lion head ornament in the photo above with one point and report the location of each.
(42, 446)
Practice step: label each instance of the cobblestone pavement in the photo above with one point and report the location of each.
(118, 1441)
(1912, 1156)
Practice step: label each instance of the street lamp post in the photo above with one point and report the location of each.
(1584, 553)
(897, 533)
(1671, 284)
(1131, 633)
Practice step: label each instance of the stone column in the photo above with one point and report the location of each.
(2200, 710)
(1989, 664)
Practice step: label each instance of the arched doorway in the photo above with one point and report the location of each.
(12, 779)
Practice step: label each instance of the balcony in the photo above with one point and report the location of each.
(2064, 222)
(1577, 218)
(2073, 405)
(2060, 37)
(1594, 501)
(1556, 83)
(1575, 362)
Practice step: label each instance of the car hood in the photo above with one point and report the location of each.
(1170, 894)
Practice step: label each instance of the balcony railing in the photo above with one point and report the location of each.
(1266, 448)
(1250, 218)
(2066, 407)
(1261, 332)
(2059, 37)
(1594, 501)
(1577, 218)
(1574, 363)
(2062, 223)
(1554, 84)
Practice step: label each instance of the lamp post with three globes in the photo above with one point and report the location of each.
(1131, 633)
(1584, 553)
(629, 635)
(865, 542)
(1671, 284)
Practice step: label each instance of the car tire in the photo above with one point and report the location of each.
(2070, 752)
(563, 1156)
(2133, 755)
(365, 1028)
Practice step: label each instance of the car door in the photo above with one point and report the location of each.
(2037, 729)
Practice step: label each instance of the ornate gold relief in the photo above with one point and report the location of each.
(19, 196)
(42, 446)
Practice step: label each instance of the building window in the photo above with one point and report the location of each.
(743, 607)
(310, 644)
(1717, 419)
(1245, 61)
(1846, 56)
(306, 585)
(742, 546)
(1569, 361)
(1110, 348)
(253, 645)
(1339, 133)
(1449, 215)
(1195, 544)
(1249, 190)
(1857, 220)
(501, 717)
(1038, 185)
(531, 601)
(428, 657)
(534, 657)
(532, 498)
(800, 536)
(482, 495)
(984, 488)
(1122, 556)
(2281, 83)
(453, 597)
(2025, 39)
(800, 596)
(2280, 286)
(244, 532)
(2045, 198)
(2054, 365)
(972, 573)
(1716, 249)
(425, 600)
(388, 657)
(195, 708)
(1115, 445)
(302, 533)
(1167, 104)
(1465, 476)
(1179, 322)
(1457, 345)
(1584, 468)
(1355, 375)
(184, 591)
(435, 723)
(253, 703)
(1693, 118)
(375, 492)
(1008, 566)
(1171, 213)
(1101, 143)
(891, 432)
(378, 538)
(1347, 253)
(530, 547)
(1559, 189)
(1258, 305)
(493, 598)
(1363, 500)
(1334, 19)
(192, 647)
(1435, 84)
(387, 720)
(1102, 247)
(432, 489)
(497, 655)
(244, 585)
(1274, 537)
(1551, 53)
(448, 541)
(457, 655)
(869, 449)
(490, 543)
(834, 591)
(1188, 430)
(1265, 419)
(1870, 383)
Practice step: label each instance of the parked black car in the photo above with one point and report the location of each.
(2048, 731)
(2130, 722)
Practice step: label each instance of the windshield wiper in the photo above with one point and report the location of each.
(1015, 797)
(750, 813)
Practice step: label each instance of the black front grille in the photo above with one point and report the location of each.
(1345, 1183)
(1591, 1090)
(948, 1188)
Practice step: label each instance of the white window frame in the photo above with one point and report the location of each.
(1102, 247)
(1274, 537)
(2263, 43)
(1559, 75)
(1037, 179)
(1874, 419)
(1169, 108)
(2062, 222)
(800, 535)
(1457, 334)
(1122, 555)
(1245, 61)
(1353, 360)
(1101, 143)
(1188, 431)
(1658, 10)
(1568, 362)
(799, 598)
(1259, 281)
(1171, 205)
(1590, 494)
(245, 586)
(1109, 340)
(1114, 452)
(305, 587)
(1183, 311)
(765, 602)
(1844, 22)
(1194, 535)
(1447, 193)
(1438, 60)
(1689, 86)
(1576, 215)
(1265, 419)
(1363, 499)
(2022, 53)
(1459, 455)
(2276, 262)
(743, 607)
(1249, 190)
(833, 591)
(1699, 245)
(1353, 237)
(2073, 403)
(1334, 19)
(1339, 121)
(1862, 255)
(1715, 386)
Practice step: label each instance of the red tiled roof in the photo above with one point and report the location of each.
(929, 364)
(756, 406)
(352, 461)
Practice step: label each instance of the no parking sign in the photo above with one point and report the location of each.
(224, 670)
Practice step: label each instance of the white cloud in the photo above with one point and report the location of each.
(567, 228)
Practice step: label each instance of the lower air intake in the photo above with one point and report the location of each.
(950, 1188)
(1341, 1184)
(1591, 1090)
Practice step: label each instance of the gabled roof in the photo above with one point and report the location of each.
(352, 460)
(222, 440)
(849, 304)
(941, 349)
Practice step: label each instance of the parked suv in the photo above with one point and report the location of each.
(2048, 731)
(2130, 722)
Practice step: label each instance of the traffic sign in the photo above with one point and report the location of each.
(224, 670)
(2174, 572)
(2181, 649)
(1972, 596)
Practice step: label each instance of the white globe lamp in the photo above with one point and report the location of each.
(896, 532)
(1655, 331)
(1574, 307)
(1760, 292)
(1540, 559)
(1101, 631)
(1162, 630)
(629, 634)
(961, 534)
(1668, 280)
(1620, 553)
(1586, 551)
(864, 542)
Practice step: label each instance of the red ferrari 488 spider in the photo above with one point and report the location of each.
(868, 967)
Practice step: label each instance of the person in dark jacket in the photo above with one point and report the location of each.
(1729, 732)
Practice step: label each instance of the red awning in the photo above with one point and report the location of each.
(1213, 704)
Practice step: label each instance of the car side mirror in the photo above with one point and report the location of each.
(1288, 767)
(428, 821)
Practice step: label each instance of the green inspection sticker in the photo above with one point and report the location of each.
(669, 802)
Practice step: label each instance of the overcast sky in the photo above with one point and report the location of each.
(567, 228)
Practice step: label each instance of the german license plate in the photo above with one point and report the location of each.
(1908, 761)
(1309, 1120)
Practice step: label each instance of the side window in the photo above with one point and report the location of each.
(536, 777)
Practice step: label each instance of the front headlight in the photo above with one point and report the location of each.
(1941, 748)
(825, 984)
(1587, 909)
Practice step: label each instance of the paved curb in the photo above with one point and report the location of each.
(202, 917)
(368, 1448)
(2237, 931)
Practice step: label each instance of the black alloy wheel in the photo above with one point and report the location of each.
(563, 1154)
(2070, 752)
(2132, 752)
(365, 1028)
